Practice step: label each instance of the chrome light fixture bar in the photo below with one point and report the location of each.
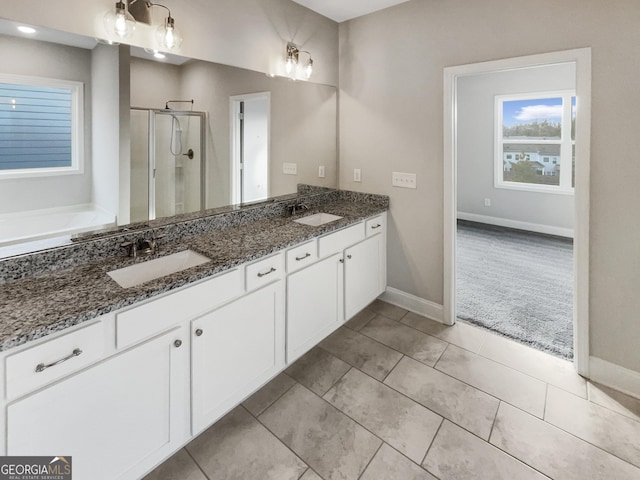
(122, 22)
(292, 60)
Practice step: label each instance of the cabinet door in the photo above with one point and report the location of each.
(235, 349)
(364, 274)
(314, 304)
(116, 419)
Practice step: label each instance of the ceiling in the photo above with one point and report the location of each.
(342, 10)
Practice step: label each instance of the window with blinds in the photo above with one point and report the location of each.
(40, 126)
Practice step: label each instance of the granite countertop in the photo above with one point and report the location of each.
(37, 306)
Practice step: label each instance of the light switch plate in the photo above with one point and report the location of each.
(357, 176)
(403, 180)
(289, 168)
(321, 171)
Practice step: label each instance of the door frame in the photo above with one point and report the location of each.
(235, 166)
(582, 59)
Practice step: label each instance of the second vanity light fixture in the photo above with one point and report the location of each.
(122, 22)
(292, 61)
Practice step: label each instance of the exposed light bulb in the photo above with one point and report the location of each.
(120, 22)
(288, 67)
(168, 35)
(308, 71)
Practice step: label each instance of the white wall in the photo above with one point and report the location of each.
(391, 119)
(476, 98)
(244, 33)
(29, 57)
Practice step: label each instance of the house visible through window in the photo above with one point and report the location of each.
(534, 141)
(41, 126)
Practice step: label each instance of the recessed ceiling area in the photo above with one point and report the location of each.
(342, 10)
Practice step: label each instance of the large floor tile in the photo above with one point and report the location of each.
(371, 357)
(390, 465)
(535, 363)
(310, 475)
(614, 400)
(467, 406)
(179, 467)
(404, 424)
(460, 334)
(239, 447)
(494, 378)
(361, 319)
(555, 452)
(600, 426)
(318, 370)
(259, 401)
(388, 310)
(331, 443)
(422, 347)
(458, 455)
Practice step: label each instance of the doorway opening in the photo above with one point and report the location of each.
(250, 119)
(542, 144)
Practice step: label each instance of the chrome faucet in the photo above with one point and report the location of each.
(143, 246)
(295, 208)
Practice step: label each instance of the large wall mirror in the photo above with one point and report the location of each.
(202, 135)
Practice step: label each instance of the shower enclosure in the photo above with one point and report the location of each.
(167, 163)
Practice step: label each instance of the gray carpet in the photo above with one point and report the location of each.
(518, 284)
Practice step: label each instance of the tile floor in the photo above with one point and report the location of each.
(395, 396)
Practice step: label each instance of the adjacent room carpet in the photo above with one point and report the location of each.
(518, 284)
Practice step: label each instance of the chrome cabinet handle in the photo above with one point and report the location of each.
(342, 260)
(349, 257)
(306, 255)
(271, 270)
(177, 343)
(42, 367)
(377, 225)
(199, 332)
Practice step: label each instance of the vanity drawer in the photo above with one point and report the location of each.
(265, 271)
(301, 256)
(338, 241)
(376, 225)
(37, 366)
(153, 317)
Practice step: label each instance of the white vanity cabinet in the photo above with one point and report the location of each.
(234, 350)
(314, 304)
(111, 416)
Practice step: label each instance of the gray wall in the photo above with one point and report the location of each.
(244, 33)
(391, 119)
(476, 97)
(29, 57)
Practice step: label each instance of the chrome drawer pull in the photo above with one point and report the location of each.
(377, 225)
(42, 367)
(349, 257)
(271, 270)
(306, 255)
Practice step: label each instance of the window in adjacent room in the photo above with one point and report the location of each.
(532, 128)
(41, 126)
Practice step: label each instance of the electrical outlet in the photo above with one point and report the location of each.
(487, 202)
(289, 168)
(357, 175)
(321, 171)
(403, 180)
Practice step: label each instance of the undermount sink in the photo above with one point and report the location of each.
(150, 270)
(318, 219)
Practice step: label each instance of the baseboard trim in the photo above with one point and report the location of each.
(614, 376)
(505, 222)
(413, 303)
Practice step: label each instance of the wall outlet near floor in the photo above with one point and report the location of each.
(289, 168)
(403, 180)
(487, 202)
(321, 171)
(357, 177)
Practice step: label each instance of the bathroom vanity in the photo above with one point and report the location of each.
(120, 378)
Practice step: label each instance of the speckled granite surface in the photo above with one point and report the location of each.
(36, 305)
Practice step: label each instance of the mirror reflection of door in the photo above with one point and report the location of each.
(250, 153)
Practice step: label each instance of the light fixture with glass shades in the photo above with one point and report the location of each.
(121, 22)
(292, 62)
